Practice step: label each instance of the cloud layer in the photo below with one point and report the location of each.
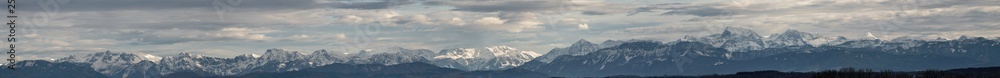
(58, 28)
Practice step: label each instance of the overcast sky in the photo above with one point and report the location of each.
(224, 28)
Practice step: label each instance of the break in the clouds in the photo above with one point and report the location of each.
(58, 28)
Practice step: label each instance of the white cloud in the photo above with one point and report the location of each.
(238, 33)
(341, 36)
(502, 21)
(456, 21)
(351, 19)
(300, 36)
(488, 21)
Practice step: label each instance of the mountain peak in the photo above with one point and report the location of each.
(183, 54)
(282, 55)
(688, 38)
(942, 38)
(791, 37)
(151, 57)
(507, 47)
(103, 56)
(320, 52)
(508, 51)
(187, 54)
(108, 53)
(869, 35)
(106, 62)
(733, 31)
(792, 31)
(490, 52)
(281, 51)
(275, 50)
(325, 53)
(490, 58)
(907, 38)
(735, 39)
(458, 53)
(963, 37)
(582, 41)
(248, 56)
(500, 50)
(795, 34)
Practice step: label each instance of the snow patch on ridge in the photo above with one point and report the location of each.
(151, 57)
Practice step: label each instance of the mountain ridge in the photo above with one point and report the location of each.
(733, 50)
(717, 53)
(129, 65)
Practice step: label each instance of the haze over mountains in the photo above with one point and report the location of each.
(733, 50)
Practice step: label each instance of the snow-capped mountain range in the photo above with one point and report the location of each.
(739, 39)
(732, 39)
(738, 49)
(581, 47)
(128, 65)
(489, 58)
(733, 50)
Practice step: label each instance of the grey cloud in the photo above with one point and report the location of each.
(661, 7)
(641, 10)
(593, 13)
(495, 6)
(538, 6)
(950, 3)
(704, 12)
(156, 37)
(164, 25)
(833, 17)
(513, 17)
(667, 29)
(371, 5)
(112, 5)
(146, 38)
(156, 15)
